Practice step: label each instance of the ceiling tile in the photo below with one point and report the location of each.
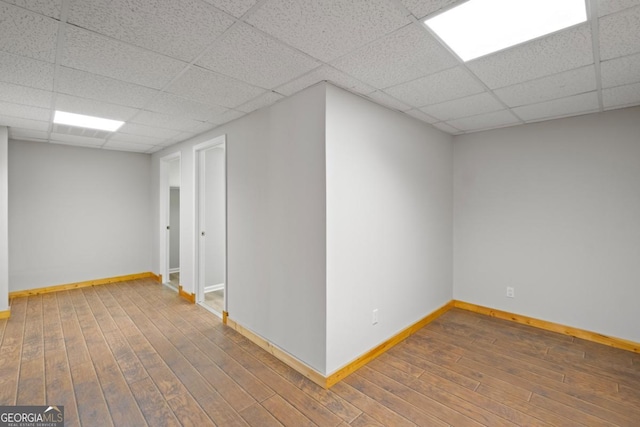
(155, 149)
(464, 107)
(136, 139)
(236, 8)
(263, 100)
(422, 8)
(607, 7)
(25, 95)
(168, 103)
(422, 116)
(226, 117)
(621, 96)
(246, 54)
(402, 56)
(159, 120)
(90, 107)
(107, 57)
(208, 87)
(127, 146)
(446, 128)
(24, 123)
(484, 121)
(82, 141)
(93, 86)
(559, 85)
(28, 135)
(327, 29)
(387, 100)
(445, 85)
(27, 33)
(620, 34)
(620, 71)
(583, 103)
(558, 52)
(143, 130)
(50, 8)
(177, 28)
(325, 73)
(26, 71)
(24, 111)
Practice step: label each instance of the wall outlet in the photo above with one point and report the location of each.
(374, 317)
(511, 293)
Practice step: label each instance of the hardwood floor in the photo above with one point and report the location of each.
(134, 354)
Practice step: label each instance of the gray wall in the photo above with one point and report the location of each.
(76, 214)
(553, 210)
(174, 228)
(4, 219)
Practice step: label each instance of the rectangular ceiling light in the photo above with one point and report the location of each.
(82, 121)
(479, 27)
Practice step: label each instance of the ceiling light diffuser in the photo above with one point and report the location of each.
(478, 27)
(80, 120)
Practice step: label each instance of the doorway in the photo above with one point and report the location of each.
(211, 225)
(170, 182)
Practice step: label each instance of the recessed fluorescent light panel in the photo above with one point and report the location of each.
(80, 120)
(479, 27)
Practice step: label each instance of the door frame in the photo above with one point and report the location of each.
(165, 210)
(198, 150)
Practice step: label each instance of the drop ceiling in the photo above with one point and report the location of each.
(172, 69)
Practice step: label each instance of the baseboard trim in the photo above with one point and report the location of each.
(86, 284)
(280, 354)
(367, 357)
(189, 297)
(225, 316)
(5, 314)
(550, 326)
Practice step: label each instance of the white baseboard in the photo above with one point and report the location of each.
(213, 288)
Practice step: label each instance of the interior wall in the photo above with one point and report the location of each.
(174, 228)
(275, 222)
(389, 222)
(214, 217)
(553, 210)
(4, 219)
(76, 214)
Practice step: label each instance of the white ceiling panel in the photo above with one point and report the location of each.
(166, 121)
(585, 102)
(387, 100)
(107, 57)
(226, 117)
(246, 54)
(263, 100)
(439, 87)
(25, 95)
(177, 28)
(620, 71)
(27, 33)
(422, 8)
(168, 103)
(607, 7)
(405, 55)
(236, 8)
(446, 128)
(50, 8)
(556, 53)
(422, 116)
(143, 130)
(26, 71)
(208, 87)
(484, 121)
(136, 139)
(620, 34)
(325, 73)
(28, 134)
(328, 29)
(621, 96)
(24, 123)
(463, 107)
(74, 104)
(92, 86)
(79, 141)
(128, 146)
(24, 111)
(559, 85)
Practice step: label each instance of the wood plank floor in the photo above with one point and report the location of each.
(134, 354)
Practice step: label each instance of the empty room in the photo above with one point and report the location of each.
(319, 212)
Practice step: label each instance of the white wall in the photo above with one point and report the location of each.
(76, 214)
(276, 222)
(214, 221)
(4, 220)
(553, 209)
(389, 222)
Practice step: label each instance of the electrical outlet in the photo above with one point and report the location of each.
(374, 317)
(511, 293)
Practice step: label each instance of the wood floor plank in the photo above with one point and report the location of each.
(188, 412)
(156, 410)
(59, 385)
(10, 352)
(285, 413)
(256, 415)
(31, 384)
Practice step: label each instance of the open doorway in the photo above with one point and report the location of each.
(170, 182)
(211, 225)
